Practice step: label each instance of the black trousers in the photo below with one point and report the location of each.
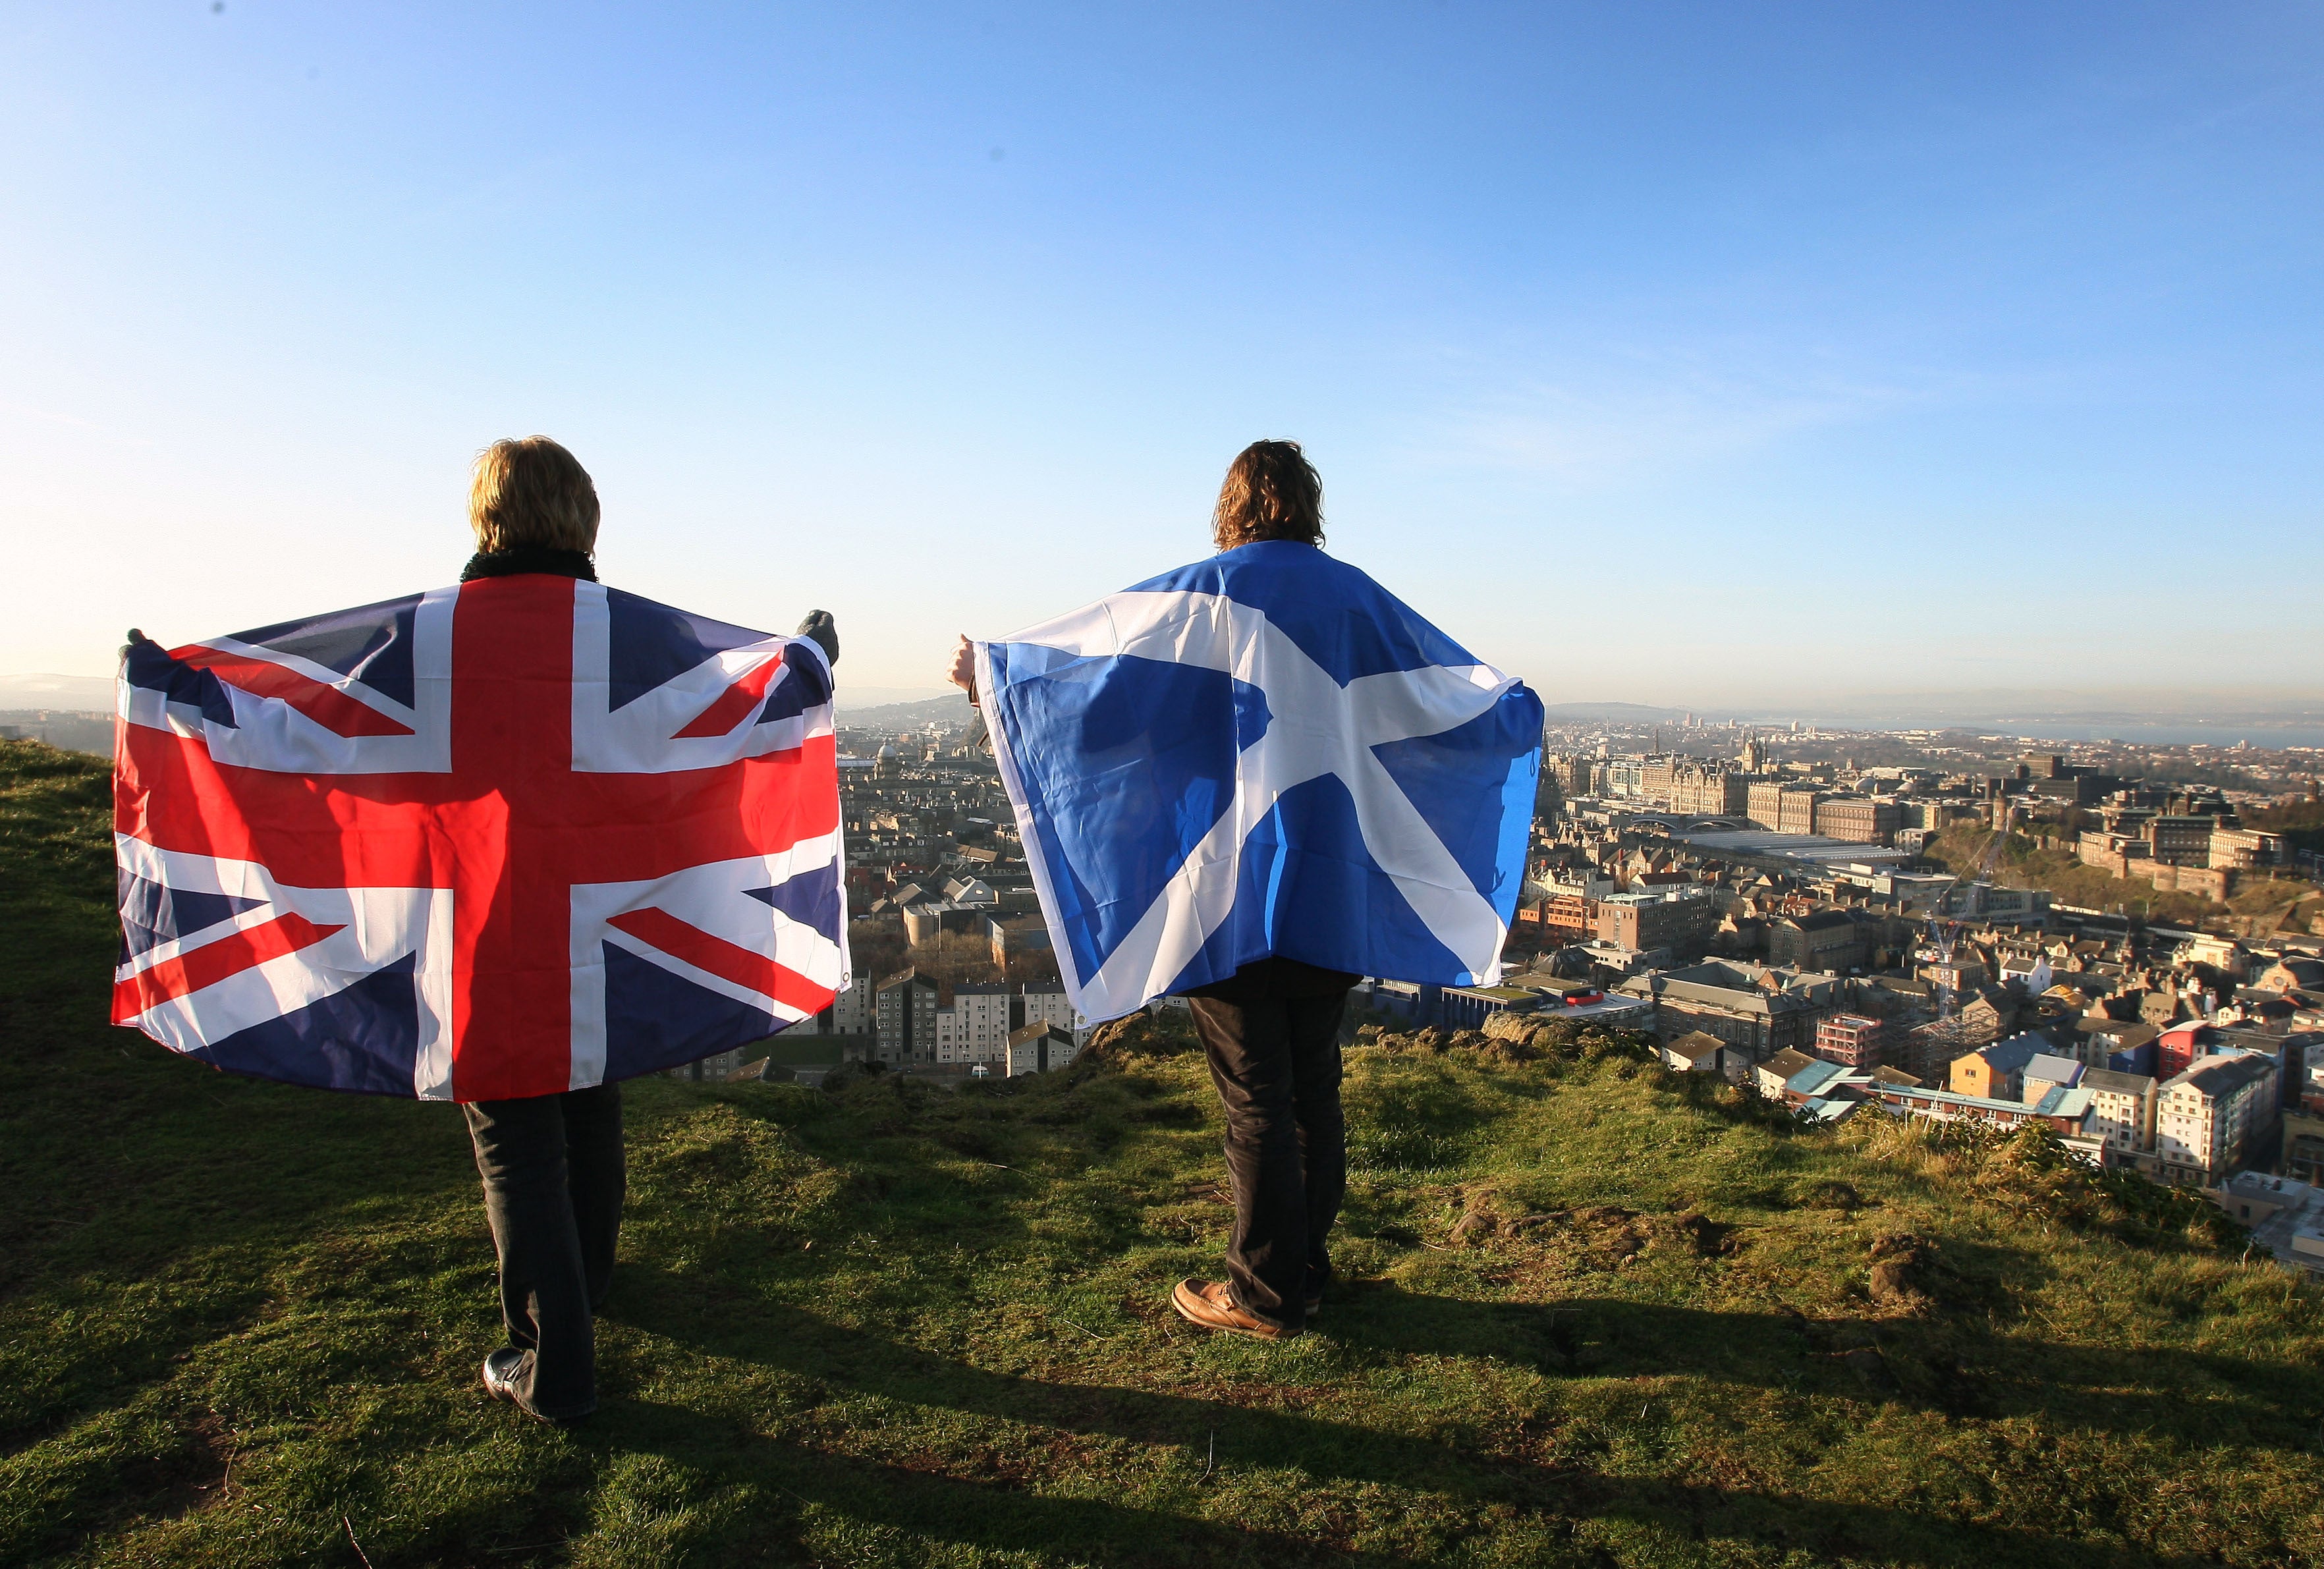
(554, 1181)
(1272, 1035)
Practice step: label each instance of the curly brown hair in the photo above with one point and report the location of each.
(1272, 492)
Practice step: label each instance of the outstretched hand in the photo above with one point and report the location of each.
(962, 673)
(819, 626)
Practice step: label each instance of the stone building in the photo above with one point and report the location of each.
(1823, 939)
(1786, 808)
(1746, 1005)
(1679, 918)
(1858, 819)
(2180, 841)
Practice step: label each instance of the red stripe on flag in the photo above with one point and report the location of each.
(734, 704)
(326, 706)
(727, 961)
(214, 962)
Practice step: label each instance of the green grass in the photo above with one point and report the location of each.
(1597, 1315)
(805, 1051)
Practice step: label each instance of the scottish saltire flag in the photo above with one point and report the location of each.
(507, 839)
(1262, 754)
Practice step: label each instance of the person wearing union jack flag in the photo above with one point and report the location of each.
(553, 1165)
(504, 844)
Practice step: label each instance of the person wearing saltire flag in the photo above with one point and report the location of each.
(1249, 781)
(506, 844)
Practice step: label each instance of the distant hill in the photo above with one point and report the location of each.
(1630, 713)
(947, 710)
(79, 692)
(1588, 1313)
(850, 698)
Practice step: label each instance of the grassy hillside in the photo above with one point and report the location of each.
(1597, 1316)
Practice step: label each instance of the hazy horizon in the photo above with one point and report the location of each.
(2289, 720)
(1677, 355)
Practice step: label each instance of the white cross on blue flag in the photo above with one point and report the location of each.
(1263, 754)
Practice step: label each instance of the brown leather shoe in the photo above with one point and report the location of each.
(1209, 1304)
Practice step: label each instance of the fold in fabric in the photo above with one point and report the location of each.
(1262, 754)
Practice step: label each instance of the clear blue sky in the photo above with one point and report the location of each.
(1701, 354)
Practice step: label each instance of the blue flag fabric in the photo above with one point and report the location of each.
(1262, 754)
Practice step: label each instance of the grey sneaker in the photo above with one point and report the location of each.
(502, 1369)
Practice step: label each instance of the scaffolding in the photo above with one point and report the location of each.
(1928, 1050)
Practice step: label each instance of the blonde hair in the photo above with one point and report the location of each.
(1272, 492)
(532, 493)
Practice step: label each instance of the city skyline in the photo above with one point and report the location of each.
(1665, 356)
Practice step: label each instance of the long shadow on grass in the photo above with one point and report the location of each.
(997, 1516)
(790, 1341)
(1952, 1363)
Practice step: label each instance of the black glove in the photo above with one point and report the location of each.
(825, 631)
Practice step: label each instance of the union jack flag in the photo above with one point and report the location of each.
(519, 836)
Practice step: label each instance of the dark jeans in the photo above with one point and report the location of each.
(1272, 1035)
(554, 1181)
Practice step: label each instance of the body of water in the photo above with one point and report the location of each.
(2159, 733)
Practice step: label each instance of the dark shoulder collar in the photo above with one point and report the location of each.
(528, 558)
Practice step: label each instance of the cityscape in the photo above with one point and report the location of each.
(1642, 888)
(2122, 942)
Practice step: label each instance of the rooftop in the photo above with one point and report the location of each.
(1985, 1103)
(2275, 1189)
(1814, 1078)
(2230, 1070)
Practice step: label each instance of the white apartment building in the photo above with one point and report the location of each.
(1046, 1003)
(2207, 1117)
(975, 1027)
(2122, 1114)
